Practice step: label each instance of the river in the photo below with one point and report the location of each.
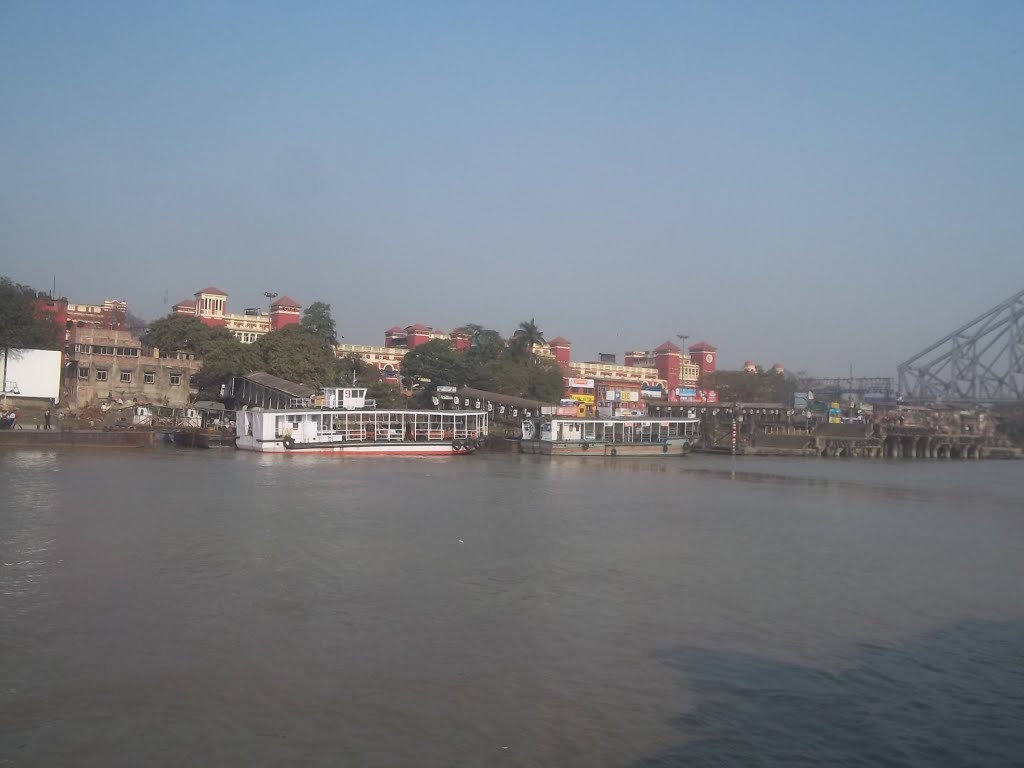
(170, 608)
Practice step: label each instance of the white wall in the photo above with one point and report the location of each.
(36, 372)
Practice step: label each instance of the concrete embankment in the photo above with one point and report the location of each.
(78, 438)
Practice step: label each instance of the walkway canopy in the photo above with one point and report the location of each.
(266, 391)
(507, 406)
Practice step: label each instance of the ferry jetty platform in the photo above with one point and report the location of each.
(921, 432)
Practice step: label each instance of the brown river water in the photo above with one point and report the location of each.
(171, 607)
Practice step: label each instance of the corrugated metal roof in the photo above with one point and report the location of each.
(496, 397)
(284, 386)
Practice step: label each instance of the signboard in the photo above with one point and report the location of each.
(686, 393)
(652, 391)
(835, 415)
(588, 399)
(581, 383)
(799, 399)
(33, 372)
(449, 390)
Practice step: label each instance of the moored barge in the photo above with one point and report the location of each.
(345, 426)
(616, 436)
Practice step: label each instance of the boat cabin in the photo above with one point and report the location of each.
(615, 431)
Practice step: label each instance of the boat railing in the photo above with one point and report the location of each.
(300, 402)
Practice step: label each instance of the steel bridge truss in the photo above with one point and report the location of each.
(980, 362)
(864, 388)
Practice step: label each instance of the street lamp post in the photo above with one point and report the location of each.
(14, 385)
(271, 295)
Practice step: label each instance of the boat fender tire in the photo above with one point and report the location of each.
(615, 452)
(664, 448)
(456, 445)
(236, 442)
(289, 442)
(586, 446)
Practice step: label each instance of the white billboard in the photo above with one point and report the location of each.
(32, 373)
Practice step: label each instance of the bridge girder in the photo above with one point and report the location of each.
(980, 362)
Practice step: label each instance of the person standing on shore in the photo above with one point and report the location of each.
(46, 418)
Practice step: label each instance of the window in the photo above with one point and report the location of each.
(101, 374)
(175, 379)
(83, 373)
(126, 377)
(149, 378)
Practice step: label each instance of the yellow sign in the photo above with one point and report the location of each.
(588, 399)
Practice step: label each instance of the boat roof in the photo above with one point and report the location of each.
(648, 417)
(281, 385)
(496, 397)
(368, 411)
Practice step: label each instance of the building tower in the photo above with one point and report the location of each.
(561, 348)
(668, 359)
(706, 357)
(210, 306)
(284, 311)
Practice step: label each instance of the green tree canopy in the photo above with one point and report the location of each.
(224, 357)
(21, 327)
(298, 355)
(761, 387)
(529, 334)
(317, 320)
(369, 376)
(435, 360)
(180, 332)
(220, 352)
(493, 365)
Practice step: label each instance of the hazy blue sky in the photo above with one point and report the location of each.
(821, 183)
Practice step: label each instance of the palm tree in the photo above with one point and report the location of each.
(529, 334)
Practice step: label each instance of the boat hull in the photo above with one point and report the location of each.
(398, 448)
(674, 448)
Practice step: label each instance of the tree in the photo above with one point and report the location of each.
(763, 387)
(178, 332)
(21, 326)
(543, 381)
(529, 334)
(317, 320)
(298, 355)
(436, 361)
(367, 375)
(221, 353)
(352, 365)
(224, 357)
(135, 324)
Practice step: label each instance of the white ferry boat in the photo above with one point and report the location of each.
(340, 423)
(614, 436)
